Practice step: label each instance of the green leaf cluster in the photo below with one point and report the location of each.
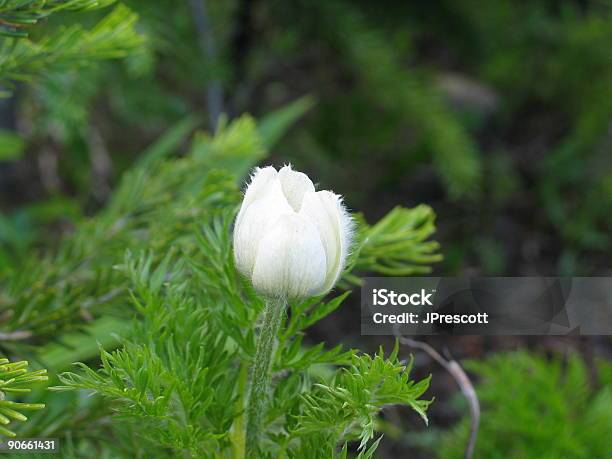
(17, 15)
(16, 379)
(113, 36)
(188, 322)
(398, 244)
(155, 206)
(535, 407)
(180, 376)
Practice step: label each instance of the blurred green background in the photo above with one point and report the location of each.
(496, 114)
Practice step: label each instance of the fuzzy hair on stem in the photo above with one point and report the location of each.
(258, 393)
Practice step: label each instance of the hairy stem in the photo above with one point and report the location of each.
(261, 372)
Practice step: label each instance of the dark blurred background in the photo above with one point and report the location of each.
(496, 114)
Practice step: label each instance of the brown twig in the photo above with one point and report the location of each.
(101, 165)
(463, 381)
(16, 335)
(48, 169)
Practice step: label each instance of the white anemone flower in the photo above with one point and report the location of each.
(290, 240)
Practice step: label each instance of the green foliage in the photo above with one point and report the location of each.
(15, 378)
(354, 396)
(380, 77)
(113, 37)
(241, 138)
(156, 206)
(373, 102)
(376, 73)
(398, 245)
(17, 15)
(533, 407)
(179, 376)
(275, 124)
(436, 84)
(556, 66)
(11, 145)
(407, 94)
(185, 360)
(23, 227)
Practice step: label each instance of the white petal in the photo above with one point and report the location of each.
(295, 185)
(326, 211)
(290, 259)
(260, 180)
(254, 222)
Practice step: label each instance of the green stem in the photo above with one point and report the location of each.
(261, 372)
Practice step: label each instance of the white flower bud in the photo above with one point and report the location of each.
(289, 239)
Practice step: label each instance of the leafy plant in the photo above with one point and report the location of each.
(405, 94)
(399, 244)
(22, 58)
(178, 377)
(15, 378)
(533, 407)
(18, 15)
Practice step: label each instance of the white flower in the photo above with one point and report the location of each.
(288, 239)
